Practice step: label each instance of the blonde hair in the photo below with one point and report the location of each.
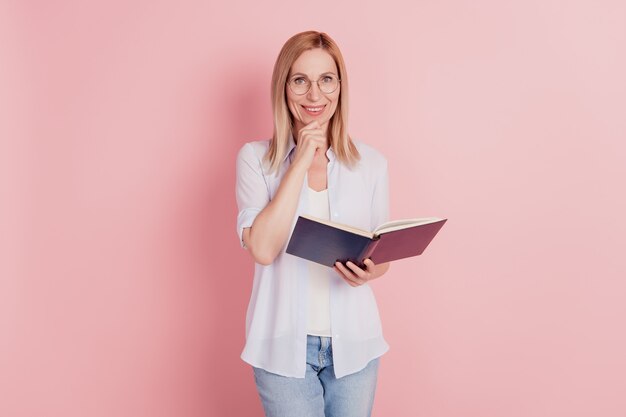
(340, 141)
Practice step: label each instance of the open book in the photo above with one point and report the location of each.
(326, 242)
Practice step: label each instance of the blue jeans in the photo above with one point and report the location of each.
(319, 394)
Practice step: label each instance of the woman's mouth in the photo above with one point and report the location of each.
(314, 110)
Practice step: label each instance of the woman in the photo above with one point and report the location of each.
(313, 334)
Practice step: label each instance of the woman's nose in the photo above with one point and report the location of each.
(314, 92)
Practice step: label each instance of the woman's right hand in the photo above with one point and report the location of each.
(310, 138)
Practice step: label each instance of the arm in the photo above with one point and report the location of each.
(267, 235)
(264, 225)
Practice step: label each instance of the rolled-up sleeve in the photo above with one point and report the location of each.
(251, 189)
(380, 198)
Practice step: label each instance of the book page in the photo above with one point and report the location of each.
(403, 224)
(340, 226)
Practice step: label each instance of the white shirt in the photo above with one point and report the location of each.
(276, 320)
(318, 316)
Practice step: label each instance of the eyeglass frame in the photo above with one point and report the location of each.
(311, 83)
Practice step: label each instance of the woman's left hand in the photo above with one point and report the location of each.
(356, 276)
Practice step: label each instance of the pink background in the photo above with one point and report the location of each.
(123, 289)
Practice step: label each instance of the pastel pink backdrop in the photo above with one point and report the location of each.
(123, 288)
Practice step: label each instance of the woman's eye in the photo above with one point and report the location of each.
(327, 79)
(299, 81)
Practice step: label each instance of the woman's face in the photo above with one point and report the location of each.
(313, 64)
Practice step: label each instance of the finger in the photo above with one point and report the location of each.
(357, 271)
(313, 135)
(369, 264)
(313, 139)
(316, 145)
(310, 144)
(317, 140)
(313, 124)
(345, 271)
(348, 275)
(349, 281)
(308, 130)
(352, 284)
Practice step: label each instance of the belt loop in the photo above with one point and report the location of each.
(325, 342)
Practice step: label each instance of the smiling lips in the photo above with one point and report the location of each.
(314, 111)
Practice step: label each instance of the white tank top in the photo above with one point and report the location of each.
(319, 277)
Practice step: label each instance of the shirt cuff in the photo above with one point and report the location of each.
(245, 219)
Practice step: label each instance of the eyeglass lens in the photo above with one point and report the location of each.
(301, 85)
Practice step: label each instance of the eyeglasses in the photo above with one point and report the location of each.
(301, 85)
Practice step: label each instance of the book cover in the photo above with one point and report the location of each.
(326, 242)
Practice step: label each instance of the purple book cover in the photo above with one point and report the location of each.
(324, 244)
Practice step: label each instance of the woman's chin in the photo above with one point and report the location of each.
(322, 120)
